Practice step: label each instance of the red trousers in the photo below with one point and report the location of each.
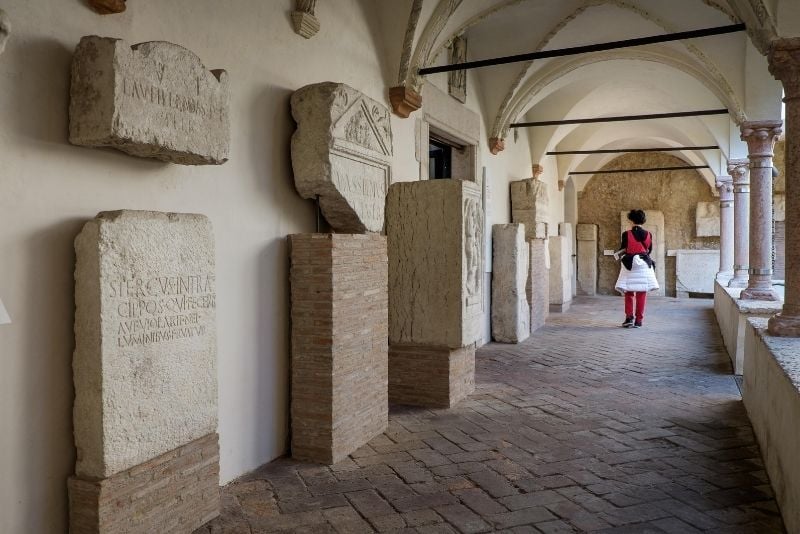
(641, 300)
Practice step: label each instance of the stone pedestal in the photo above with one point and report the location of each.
(725, 187)
(760, 137)
(436, 377)
(145, 413)
(510, 309)
(587, 259)
(739, 170)
(537, 288)
(339, 343)
(784, 64)
(435, 236)
(560, 278)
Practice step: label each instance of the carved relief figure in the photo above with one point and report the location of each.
(473, 233)
(457, 80)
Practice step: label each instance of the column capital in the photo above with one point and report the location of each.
(724, 185)
(760, 137)
(739, 169)
(496, 145)
(784, 64)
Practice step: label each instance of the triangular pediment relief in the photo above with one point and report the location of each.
(365, 125)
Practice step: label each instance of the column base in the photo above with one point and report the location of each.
(755, 293)
(436, 377)
(175, 492)
(784, 325)
(724, 276)
(738, 281)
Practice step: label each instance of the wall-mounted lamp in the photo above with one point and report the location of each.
(4, 318)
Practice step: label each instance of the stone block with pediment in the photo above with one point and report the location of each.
(342, 154)
(151, 100)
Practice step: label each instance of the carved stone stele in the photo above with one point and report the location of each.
(151, 100)
(510, 309)
(5, 30)
(404, 100)
(342, 153)
(107, 7)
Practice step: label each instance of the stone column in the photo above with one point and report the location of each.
(760, 137)
(784, 64)
(725, 188)
(739, 171)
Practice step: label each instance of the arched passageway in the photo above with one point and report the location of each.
(584, 427)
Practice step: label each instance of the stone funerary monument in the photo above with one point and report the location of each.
(511, 314)
(152, 100)
(145, 373)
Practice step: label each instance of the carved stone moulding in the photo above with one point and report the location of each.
(404, 100)
(342, 154)
(497, 145)
(107, 7)
(151, 100)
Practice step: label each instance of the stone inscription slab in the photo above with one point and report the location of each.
(145, 357)
(695, 270)
(342, 153)
(510, 308)
(153, 100)
(707, 219)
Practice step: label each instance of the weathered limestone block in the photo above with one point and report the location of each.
(537, 287)
(342, 153)
(145, 356)
(435, 233)
(152, 100)
(529, 204)
(560, 268)
(587, 258)
(510, 308)
(707, 219)
(339, 343)
(5, 30)
(434, 230)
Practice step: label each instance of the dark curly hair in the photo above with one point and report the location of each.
(637, 216)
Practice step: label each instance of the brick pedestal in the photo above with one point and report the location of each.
(339, 343)
(430, 376)
(175, 492)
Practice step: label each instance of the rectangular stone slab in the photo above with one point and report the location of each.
(152, 100)
(145, 363)
(587, 258)
(510, 309)
(529, 206)
(537, 287)
(339, 343)
(435, 233)
(435, 377)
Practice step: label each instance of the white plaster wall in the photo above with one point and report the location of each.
(49, 188)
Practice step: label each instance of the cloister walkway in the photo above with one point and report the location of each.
(585, 427)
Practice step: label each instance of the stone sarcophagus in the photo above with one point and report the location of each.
(152, 100)
(342, 154)
(145, 373)
(510, 309)
(435, 236)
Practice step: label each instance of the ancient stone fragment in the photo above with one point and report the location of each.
(153, 100)
(586, 238)
(537, 287)
(342, 153)
(145, 370)
(5, 30)
(707, 219)
(529, 204)
(107, 7)
(304, 21)
(560, 274)
(339, 343)
(510, 309)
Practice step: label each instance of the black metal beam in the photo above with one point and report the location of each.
(631, 150)
(621, 118)
(619, 171)
(574, 50)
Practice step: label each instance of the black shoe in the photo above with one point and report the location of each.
(637, 324)
(628, 322)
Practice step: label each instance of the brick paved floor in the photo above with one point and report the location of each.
(585, 427)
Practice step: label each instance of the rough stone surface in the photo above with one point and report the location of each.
(339, 343)
(152, 100)
(430, 376)
(175, 492)
(510, 308)
(342, 153)
(537, 286)
(587, 258)
(5, 30)
(695, 270)
(529, 205)
(145, 364)
(560, 278)
(583, 427)
(606, 195)
(707, 219)
(435, 234)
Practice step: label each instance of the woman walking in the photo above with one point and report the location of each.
(637, 273)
